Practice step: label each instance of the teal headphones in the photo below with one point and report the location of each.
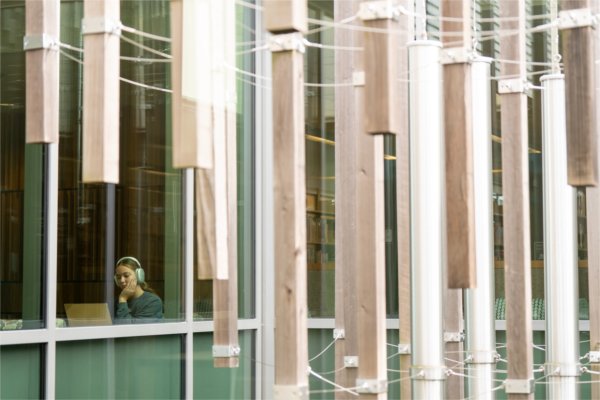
(140, 275)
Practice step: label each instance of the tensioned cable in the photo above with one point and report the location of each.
(145, 34)
(313, 373)
(141, 46)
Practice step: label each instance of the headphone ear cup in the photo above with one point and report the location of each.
(140, 275)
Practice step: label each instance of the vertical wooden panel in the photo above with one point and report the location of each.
(41, 72)
(291, 355)
(515, 190)
(191, 77)
(381, 78)
(101, 95)
(580, 83)
(348, 124)
(403, 200)
(282, 16)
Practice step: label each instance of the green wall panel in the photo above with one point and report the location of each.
(20, 372)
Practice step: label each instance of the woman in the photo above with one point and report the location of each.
(137, 301)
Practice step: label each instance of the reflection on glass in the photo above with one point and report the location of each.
(21, 186)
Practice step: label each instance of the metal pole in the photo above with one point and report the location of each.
(479, 301)
(426, 202)
(560, 265)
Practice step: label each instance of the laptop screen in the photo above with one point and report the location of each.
(88, 314)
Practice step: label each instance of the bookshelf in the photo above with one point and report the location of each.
(320, 231)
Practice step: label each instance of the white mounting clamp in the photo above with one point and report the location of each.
(358, 78)
(457, 55)
(35, 42)
(371, 385)
(290, 392)
(339, 333)
(562, 369)
(454, 337)
(379, 9)
(351, 361)
(481, 357)
(518, 386)
(287, 42)
(225, 350)
(404, 348)
(100, 25)
(516, 85)
(594, 357)
(576, 18)
(435, 373)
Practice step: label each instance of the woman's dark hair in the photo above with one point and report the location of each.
(132, 265)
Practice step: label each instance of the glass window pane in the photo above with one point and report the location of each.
(21, 186)
(20, 368)
(128, 368)
(141, 216)
(224, 383)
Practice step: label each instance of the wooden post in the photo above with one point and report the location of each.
(580, 84)
(378, 99)
(191, 76)
(403, 203)
(41, 70)
(348, 124)
(289, 185)
(101, 47)
(515, 189)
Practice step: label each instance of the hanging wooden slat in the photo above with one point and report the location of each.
(291, 352)
(515, 190)
(191, 77)
(348, 125)
(403, 202)
(283, 16)
(41, 70)
(382, 91)
(101, 48)
(225, 335)
(580, 84)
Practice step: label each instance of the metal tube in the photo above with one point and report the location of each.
(479, 301)
(560, 265)
(426, 205)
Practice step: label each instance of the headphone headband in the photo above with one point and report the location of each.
(129, 258)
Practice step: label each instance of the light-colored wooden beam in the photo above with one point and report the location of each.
(515, 190)
(101, 50)
(41, 70)
(284, 16)
(382, 90)
(579, 61)
(291, 353)
(348, 124)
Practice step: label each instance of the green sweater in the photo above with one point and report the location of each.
(146, 308)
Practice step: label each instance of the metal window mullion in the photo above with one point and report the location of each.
(188, 261)
(50, 257)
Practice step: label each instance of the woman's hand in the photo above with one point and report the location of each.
(128, 291)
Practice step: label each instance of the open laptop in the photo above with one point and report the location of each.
(88, 314)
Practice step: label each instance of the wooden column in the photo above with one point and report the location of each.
(515, 190)
(460, 208)
(580, 84)
(348, 124)
(289, 185)
(403, 202)
(593, 237)
(41, 70)
(101, 50)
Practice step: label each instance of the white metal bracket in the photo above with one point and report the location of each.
(225, 350)
(379, 9)
(577, 18)
(454, 337)
(562, 369)
(339, 333)
(351, 361)
(100, 25)
(516, 85)
(481, 357)
(371, 385)
(429, 373)
(594, 357)
(404, 348)
(35, 42)
(287, 42)
(457, 55)
(290, 392)
(358, 78)
(518, 386)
